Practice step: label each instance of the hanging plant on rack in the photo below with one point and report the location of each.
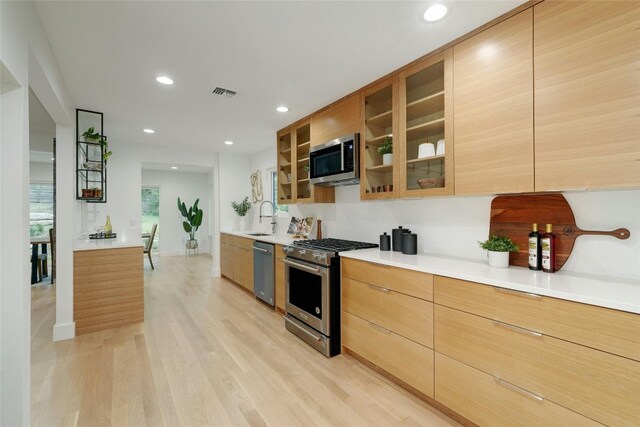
(90, 135)
(105, 147)
(386, 150)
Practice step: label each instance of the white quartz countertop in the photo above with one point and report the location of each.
(617, 293)
(279, 239)
(125, 239)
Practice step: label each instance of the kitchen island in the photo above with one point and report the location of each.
(108, 282)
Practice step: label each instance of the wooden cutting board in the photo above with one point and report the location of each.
(513, 216)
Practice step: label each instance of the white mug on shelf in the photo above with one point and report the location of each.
(440, 148)
(428, 149)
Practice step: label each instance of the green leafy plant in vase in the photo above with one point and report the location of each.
(242, 209)
(193, 221)
(498, 248)
(385, 149)
(90, 135)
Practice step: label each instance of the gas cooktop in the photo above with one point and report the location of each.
(334, 245)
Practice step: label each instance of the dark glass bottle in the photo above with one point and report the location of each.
(535, 249)
(548, 243)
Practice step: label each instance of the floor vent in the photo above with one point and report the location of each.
(224, 92)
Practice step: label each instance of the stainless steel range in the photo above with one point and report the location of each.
(312, 282)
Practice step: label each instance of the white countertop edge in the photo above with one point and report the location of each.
(127, 238)
(279, 239)
(619, 294)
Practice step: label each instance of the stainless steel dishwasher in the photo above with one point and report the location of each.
(263, 271)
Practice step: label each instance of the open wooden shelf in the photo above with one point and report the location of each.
(300, 181)
(378, 139)
(430, 128)
(381, 120)
(304, 159)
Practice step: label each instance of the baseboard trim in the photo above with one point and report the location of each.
(64, 331)
(180, 253)
(215, 272)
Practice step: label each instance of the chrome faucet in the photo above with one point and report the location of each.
(274, 223)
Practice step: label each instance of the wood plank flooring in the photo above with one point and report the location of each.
(207, 354)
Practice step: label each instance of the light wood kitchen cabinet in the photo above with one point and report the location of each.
(587, 95)
(490, 401)
(387, 320)
(280, 278)
(293, 145)
(286, 170)
(609, 330)
(599, 385)
(404, 359)
(493, 109)
(339, 119)
(426, 116)
(236, 260)
(379, 109)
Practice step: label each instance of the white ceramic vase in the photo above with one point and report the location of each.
(387, 159)
(242, 224)
(498, 259)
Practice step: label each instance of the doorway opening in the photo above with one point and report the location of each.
(150, 197)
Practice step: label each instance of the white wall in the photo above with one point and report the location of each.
(27, 62)
(235, 185)
(453, 225)
(41, 171)
(189, 187)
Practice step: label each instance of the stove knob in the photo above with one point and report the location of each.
(302, 252)
(320, 256)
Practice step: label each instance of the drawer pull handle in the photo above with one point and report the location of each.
(380, 288)
(517, 329)
(518, 293)
(519, 390)
(380, 328)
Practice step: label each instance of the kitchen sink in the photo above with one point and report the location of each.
(259, 234)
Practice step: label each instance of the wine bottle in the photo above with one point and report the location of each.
(548, 243)
(535, 250)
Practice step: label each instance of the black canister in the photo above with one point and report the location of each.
(410, 244)
(396, 237)
(385, 242)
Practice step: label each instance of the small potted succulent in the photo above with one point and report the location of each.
(498, 248)
(386, 150)
(242, 209)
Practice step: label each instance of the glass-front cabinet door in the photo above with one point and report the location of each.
(286, 156)
(426, 123)
(378, 170)
(304, 190)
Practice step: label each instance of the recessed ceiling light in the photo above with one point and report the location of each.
(174, 167)
(164, 80)
(282, 109)
(229, 142)
(435, 13)
(149, 131)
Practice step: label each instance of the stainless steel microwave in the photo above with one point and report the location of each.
(336, 162)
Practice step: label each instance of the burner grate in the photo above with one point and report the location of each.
(334, 244)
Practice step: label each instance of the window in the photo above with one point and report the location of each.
(40, 208)
(280, 210)
(151, 213)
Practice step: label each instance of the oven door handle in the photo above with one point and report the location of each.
(314, 337)
(303, 267)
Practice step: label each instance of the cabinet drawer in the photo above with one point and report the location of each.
(613, 331)
(405, 315)
(241, 242)
(401, 280)
(481, 398)
(226, 239)
(402, 358)
(599, 385)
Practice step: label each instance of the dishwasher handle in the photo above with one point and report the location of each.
(265, 251)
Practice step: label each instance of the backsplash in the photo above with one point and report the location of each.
(453, 225)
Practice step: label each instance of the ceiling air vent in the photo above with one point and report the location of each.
(224, 92)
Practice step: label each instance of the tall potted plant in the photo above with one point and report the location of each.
(193, 221)
(242, 209)
(498, 248)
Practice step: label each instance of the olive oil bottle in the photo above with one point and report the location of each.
(548, 243)
(535, 249)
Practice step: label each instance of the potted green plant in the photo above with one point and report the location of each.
(90, 135)
(306, 169)
(193, 221)
(498, 248)
(105, 147)
(386, 150)
(242, 209)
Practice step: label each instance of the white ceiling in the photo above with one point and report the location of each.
(302, 54)
(162, 167)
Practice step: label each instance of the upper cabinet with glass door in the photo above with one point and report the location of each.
(378, 173)
(425, 143)
(286, 158)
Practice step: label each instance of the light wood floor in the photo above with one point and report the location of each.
(207, 354)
